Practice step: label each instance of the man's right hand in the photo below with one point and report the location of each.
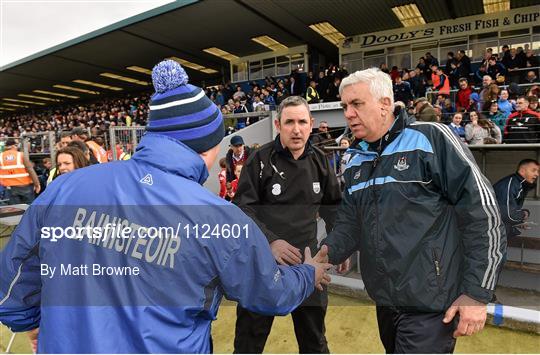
(284, 253)
(321, 277)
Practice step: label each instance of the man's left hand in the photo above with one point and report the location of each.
(472, 315)
(344, 266)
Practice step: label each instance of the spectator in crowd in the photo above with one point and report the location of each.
(456, 126)
(492, 94)
(402, 91)
(481, 130)
(511, 192)
(450, 59)
(322, 86)
(533, 103)
(237, 154)
(530, 78)
(232, 186)
(496, 70)
(447, 110)
(423, 67)
(394, 73)
(485, 92)
(17, 175)
(505, 106)
(513, 63)
(522, 126)
(97, 153)
(463, 95)
(441, 83)
(69, 159)
(418, 83)
(496, 116)
(333, 90)
(505, 54)
(65, 138)
(424, 111)
(43, 173)
(343, 159)
(531, 61)
(268, 99)
(294, 87)
(479, 75)
(463, 64)
(84, 149)
(453, 75)
(239, 94)
(258, 105)
(312, 95)
(322, 138)
(384, 68)
(222, 178)
(272, 185)
(415, 315)
(430, 62)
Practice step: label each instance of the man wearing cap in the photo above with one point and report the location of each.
(284, 186)
(236, 155)
(141, 266)
(17, 175)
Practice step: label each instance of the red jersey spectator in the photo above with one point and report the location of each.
(222, 176)
(463, 95)
(522, 126)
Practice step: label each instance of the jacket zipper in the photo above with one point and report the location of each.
(436, 262)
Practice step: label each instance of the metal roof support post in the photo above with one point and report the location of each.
(134, 138)
(52, 146)
(113, 143)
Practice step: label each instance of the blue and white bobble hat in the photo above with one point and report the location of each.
(182, 111)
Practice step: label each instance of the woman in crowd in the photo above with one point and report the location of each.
(69, 159)
(456, 126)
(481, 130)
(496, 116)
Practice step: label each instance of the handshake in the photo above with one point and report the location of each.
(286, 254)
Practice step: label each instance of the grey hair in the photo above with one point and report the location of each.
(380, 84)
(292, 101)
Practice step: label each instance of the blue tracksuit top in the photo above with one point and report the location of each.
(169, 304)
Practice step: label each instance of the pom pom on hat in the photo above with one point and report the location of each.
(168, 75)
(183, 111)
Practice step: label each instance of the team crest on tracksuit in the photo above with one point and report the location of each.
(276, 189)
(317, 187)
(401, 164)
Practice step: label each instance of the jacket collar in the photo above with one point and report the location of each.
(285, 151)
(524, 183)
(171, 156)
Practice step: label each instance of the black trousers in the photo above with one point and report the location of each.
(414, 332)
(252, 329)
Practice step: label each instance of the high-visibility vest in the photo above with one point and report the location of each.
(12, 170)
(445, 90)
(98, 151)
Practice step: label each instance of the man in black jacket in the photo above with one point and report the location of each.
(511, 192)
(283, 186)
(424, 218)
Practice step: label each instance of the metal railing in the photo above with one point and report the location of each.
(127, 138)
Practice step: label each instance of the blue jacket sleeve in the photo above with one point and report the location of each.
(20, 282)
(510, 211)
(251, 277)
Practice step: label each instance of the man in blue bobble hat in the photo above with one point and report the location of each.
(138, 260)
